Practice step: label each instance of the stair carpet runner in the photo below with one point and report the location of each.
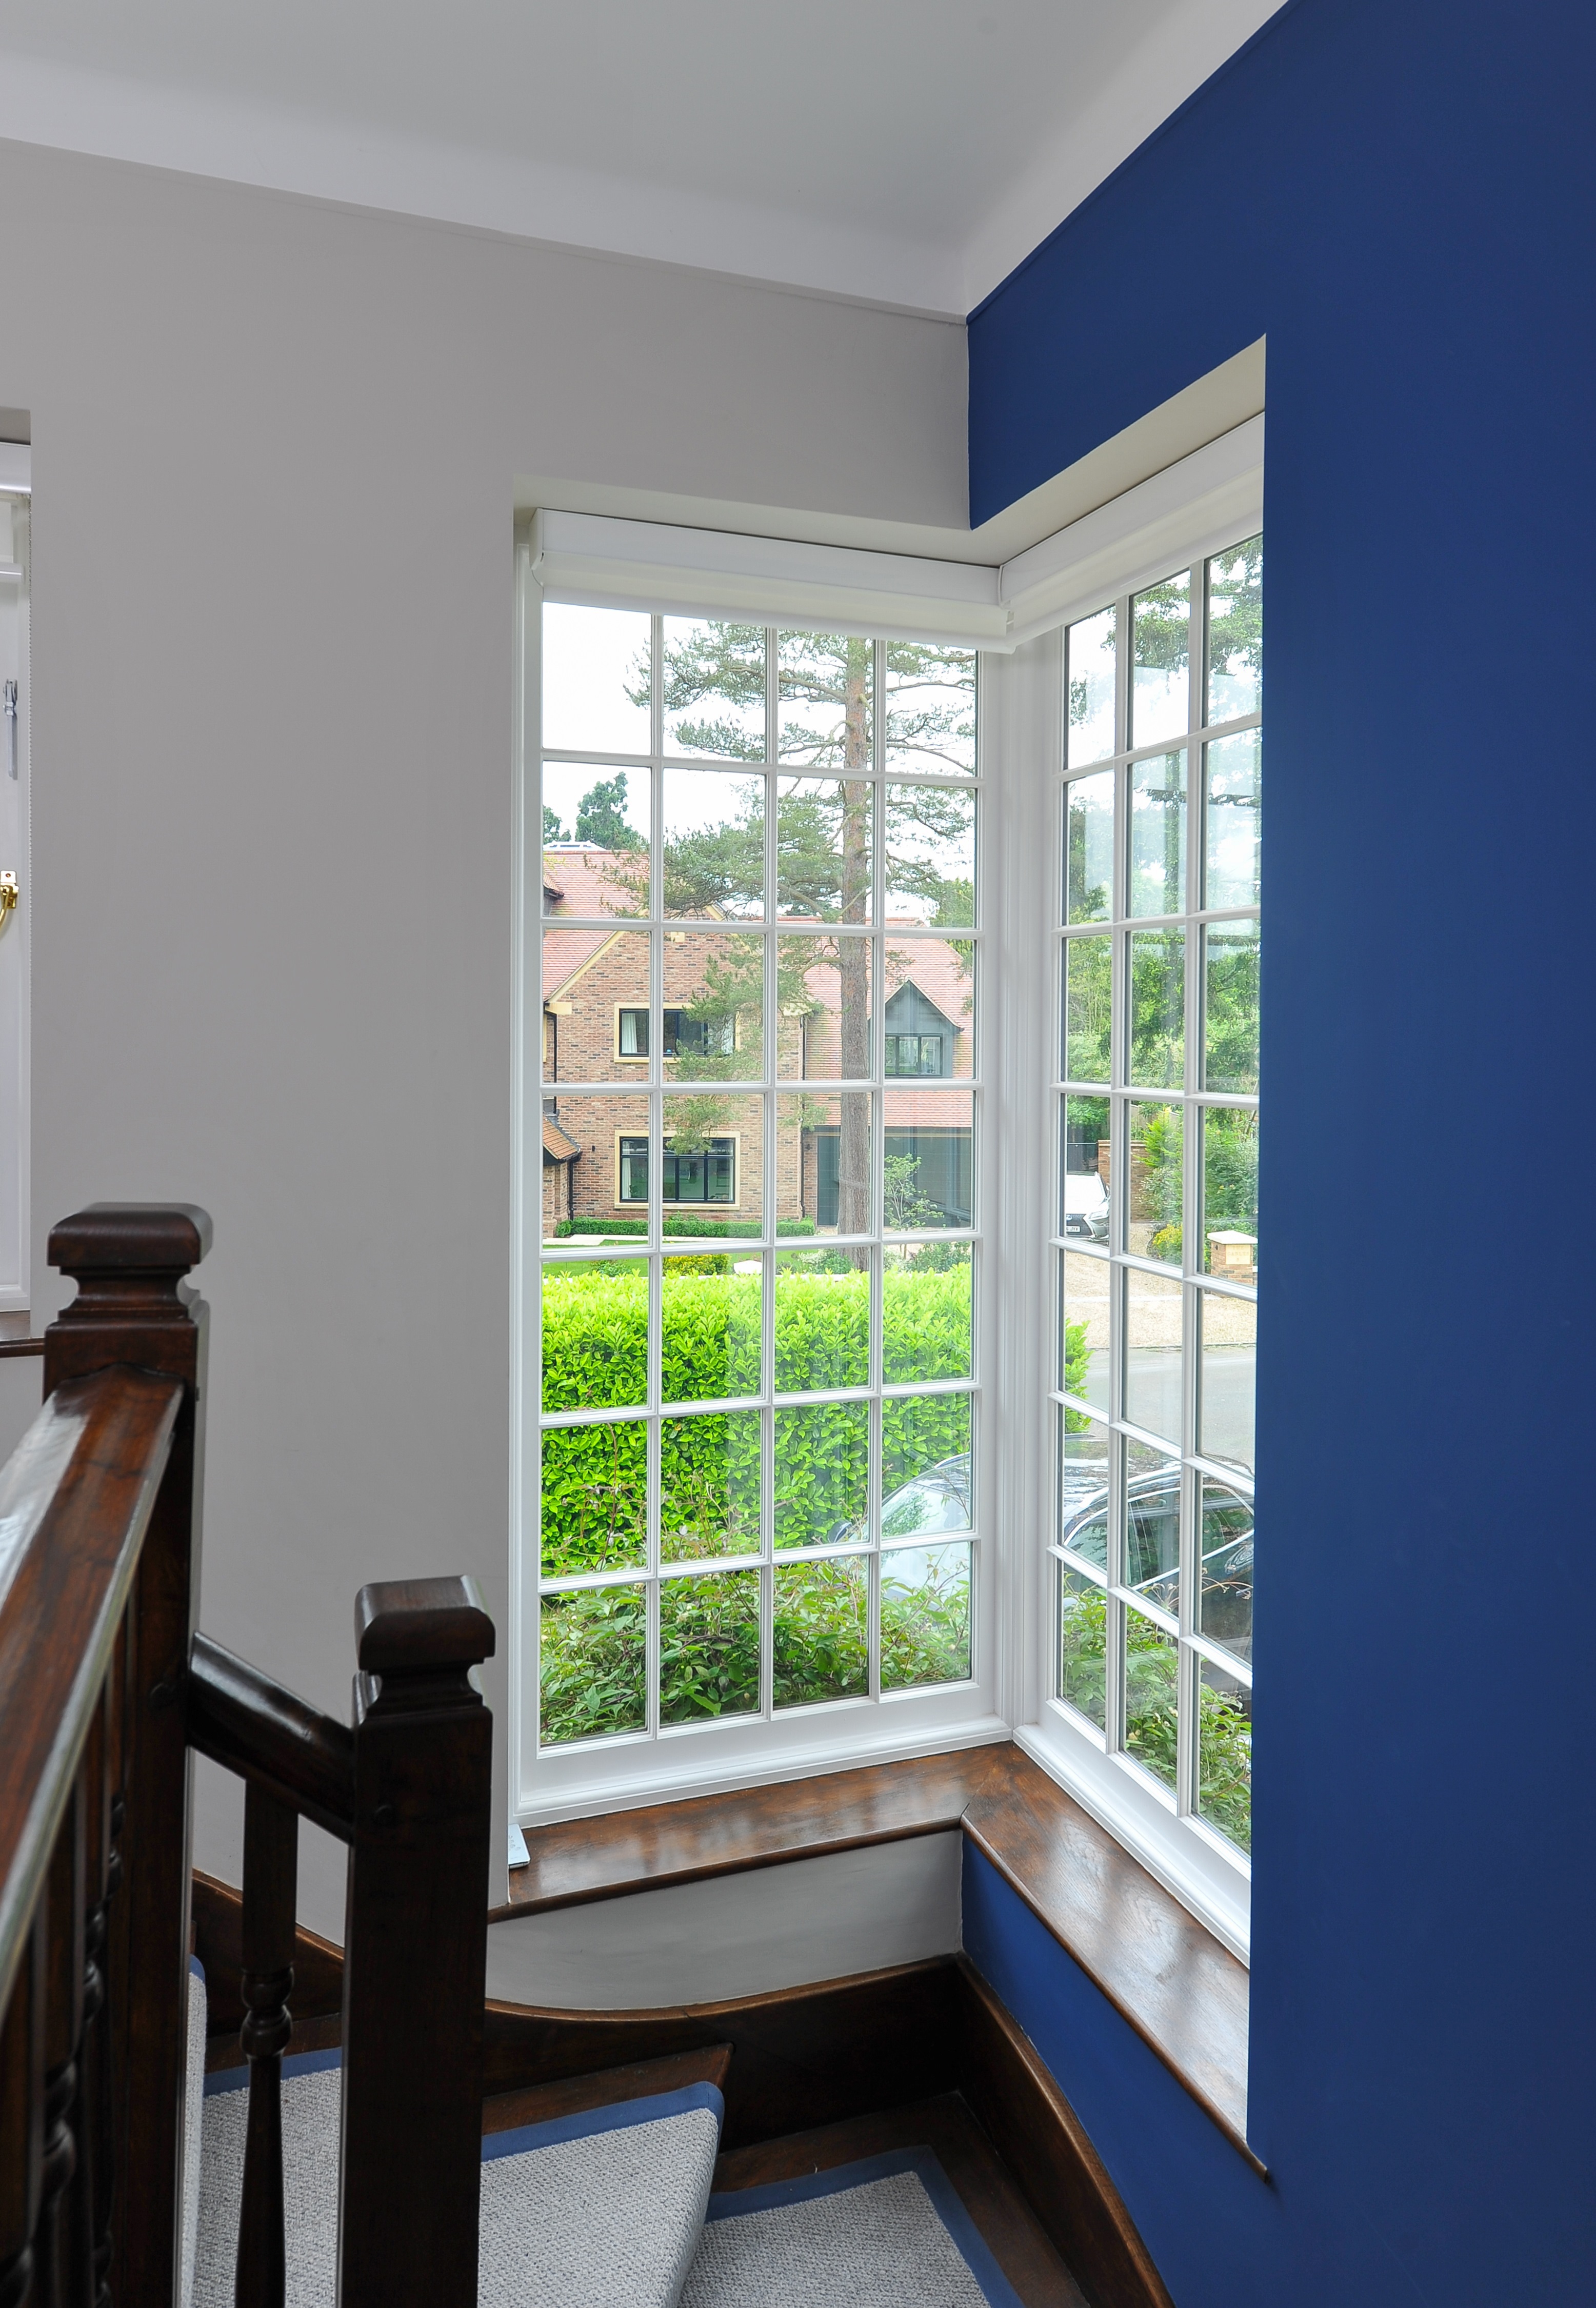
(609, 2209)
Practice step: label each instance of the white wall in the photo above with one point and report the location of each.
(274, 446)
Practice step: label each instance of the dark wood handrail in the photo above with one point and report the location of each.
(77, 1496)
(241, 1718)
(10, 1347)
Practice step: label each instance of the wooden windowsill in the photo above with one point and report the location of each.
(1182, 1990)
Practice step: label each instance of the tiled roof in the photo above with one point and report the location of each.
(557, 1146)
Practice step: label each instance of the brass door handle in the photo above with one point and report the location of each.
(9, 894)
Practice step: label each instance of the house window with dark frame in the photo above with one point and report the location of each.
(919, 1040)
(706, 1174)
(684, 1036)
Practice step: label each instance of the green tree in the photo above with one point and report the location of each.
(601, 816)
(553, 830)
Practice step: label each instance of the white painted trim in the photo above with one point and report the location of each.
(16, 467)
(605, 561)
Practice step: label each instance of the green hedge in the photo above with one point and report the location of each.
(595, 1336)
(712, 1229)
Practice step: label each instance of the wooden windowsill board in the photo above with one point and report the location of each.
(1182, 1990)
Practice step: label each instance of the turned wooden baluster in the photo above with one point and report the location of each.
(271, 1862)
(109, 1954)
(63, 2033)
(21, 2117)
(91, 2112)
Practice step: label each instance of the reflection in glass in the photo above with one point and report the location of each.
(1082, 1644)
(1225, 1753)
(709, 1646)
(710, 1329)
(1230, 1193)
(822, 1636)
(924, 1464)
(714, 846)
(714, 1006)
(1226, 1380)
(928, 1306)
(592, 1664)
(1233, 774)
(1225, 1591)
(1084, 1486)
(712, 1165)
(588, 1034)
(1231, 951)
(1152, 1353)
(1161, 691)
(823, 1160)
(1085, 1284)
(822, 1474)
(824, 1007)
(1083, 1195)
(928, 1139)
(1158, 835)
(712, 680)
(930, 708)
(823, 1320)
(1089, 848)
(1158, 1008)
(595, 1333)
(1153, 1525)
(930, 855)
(1157, 1135)
(607, 812)
(594, 1489)
(709, 1486)
(1091, 649)
(595, 680)
(1088, 982)
(925, 1615)
(1151, 1682)
(1236, 632)
(824, 848)
(826, 685)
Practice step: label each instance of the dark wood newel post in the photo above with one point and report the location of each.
(129, 1261)
(415, 1949)
(271, 1878)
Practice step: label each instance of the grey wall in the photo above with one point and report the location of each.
(274, 452)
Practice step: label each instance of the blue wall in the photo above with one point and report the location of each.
(1401, 197)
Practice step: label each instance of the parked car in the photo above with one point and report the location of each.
(1085, 1205)
(936, 1499)
(1153, 1566)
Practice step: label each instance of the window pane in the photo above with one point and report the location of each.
(926, 1177)
(1088, 981)
(607, 813)
(930, 855)
(1230, 1193)
(930, 1007)
(713, 1168)
(593, 981)
(822, 1648)
(1082, 1644)
(823, 1474)
(930, 708)
(1084, 1201)
(595, 680)
(925, 1615)
(1232, 1002)
(709, 1486)
(1089, 848)
(595, 1333)
(710, 1329)
(592, 1664)
(826, 684)
(927, 1313)
(714, 846)
(1158, 1008)
(824, 1153)
(1152, 1681)
(1156, 1134)
(924, 1464)
(1161, 688)
(824, 848)
(713, 682)
(714, 1004)
(825, 1007)
(1091, 655)
(1236, 632)
(594, 1488)
(1084, 1488)
(1152, 1353)
(1225, 1595)
(1225, 1754)
(1229, 1328)
(1085, 1284)
(1158, 835)
(709, 1646)
(1234, 778)
(1153, 1525)
(823, 1320)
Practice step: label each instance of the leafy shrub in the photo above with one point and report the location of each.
(716, 1229)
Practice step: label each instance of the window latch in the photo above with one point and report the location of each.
(11, 734)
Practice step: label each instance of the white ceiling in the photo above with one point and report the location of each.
(909, 151)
